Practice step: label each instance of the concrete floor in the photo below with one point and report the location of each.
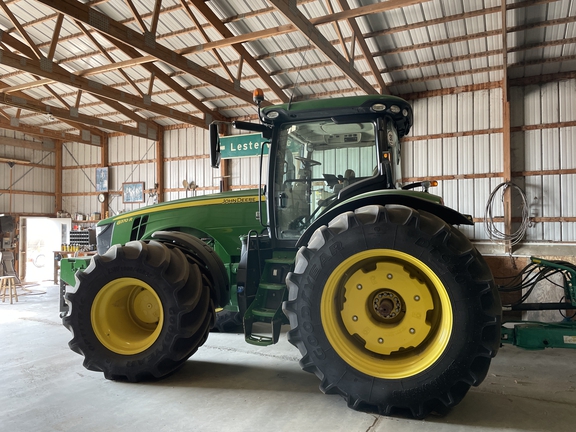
(229, 385)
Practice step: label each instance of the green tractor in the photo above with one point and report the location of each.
(389, 304)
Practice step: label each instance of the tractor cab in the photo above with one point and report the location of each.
(324, 152)
(316, 160)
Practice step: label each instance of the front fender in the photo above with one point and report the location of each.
(447, 214)
(205, 254)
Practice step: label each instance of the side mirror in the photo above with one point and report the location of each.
(214, 146)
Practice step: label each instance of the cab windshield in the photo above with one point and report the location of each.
(316, 160)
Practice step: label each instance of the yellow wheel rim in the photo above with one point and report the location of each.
(127, 316)
(386, 314)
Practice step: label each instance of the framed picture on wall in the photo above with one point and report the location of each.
(133, 192)
(102, 179)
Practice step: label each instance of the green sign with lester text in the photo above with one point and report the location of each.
(242, 145)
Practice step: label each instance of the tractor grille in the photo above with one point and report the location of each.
(138, 228)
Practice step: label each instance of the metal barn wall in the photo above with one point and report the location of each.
(131, 160)
(79, 163)
(458, 139)
(544, 145)
(36, 179)
(186, 153)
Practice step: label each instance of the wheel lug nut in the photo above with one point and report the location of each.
(389, 276)
(354, 318)
(359, 286)
(417, 298)
(412, 331)
(380, 340)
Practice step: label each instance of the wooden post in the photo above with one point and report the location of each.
(58, 177)
(225, 165)
(506, 140)
(104, 163)
(160, 164)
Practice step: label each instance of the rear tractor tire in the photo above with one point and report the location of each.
(139, 311)
(228, 321)
(394, 310)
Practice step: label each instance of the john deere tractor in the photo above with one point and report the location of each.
(388, 302)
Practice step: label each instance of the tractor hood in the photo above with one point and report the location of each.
(219, 219)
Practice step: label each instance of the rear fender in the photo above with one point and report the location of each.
(447, 214)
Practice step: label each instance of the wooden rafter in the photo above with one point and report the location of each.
(364, 48)
(301, 22)
(108, 56)
(252, 62)
(136, 15)
(65, 114)
(155, 17)
(21, 30)
(65, 77)
(338, 30)
(52, 134)
(55, 36)
(162, 76)
(29, 51)
(214, 52)
(107, 25)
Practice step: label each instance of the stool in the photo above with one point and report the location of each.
(7, 282)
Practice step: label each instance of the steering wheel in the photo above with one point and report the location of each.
(307, 161)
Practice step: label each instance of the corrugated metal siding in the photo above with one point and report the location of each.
(26, 178)
(459, 155)
(123, 151)
(188, 149)
(79, 178)
(546, 149)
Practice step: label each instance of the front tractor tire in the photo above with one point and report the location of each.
(394, 310)
(139, 311)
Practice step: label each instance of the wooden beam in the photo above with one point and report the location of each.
(136, 15)
(87, 72)
(305, 26)
(365, 50)
(244, 54)
(506, 141)
(55, 36)
(33, 52)
(35, 145)
(58, 177)
(51, 133)
(87, 131)
(29, 52)
(364, 10)
(65, 114)
(78, 97)
(155, 16)
(104, 161)
(107, 25)
(58, 74)
(199, 27)
(21, 30)
(162, 76)
(108, 56)
(338, 31)
(160, 167)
